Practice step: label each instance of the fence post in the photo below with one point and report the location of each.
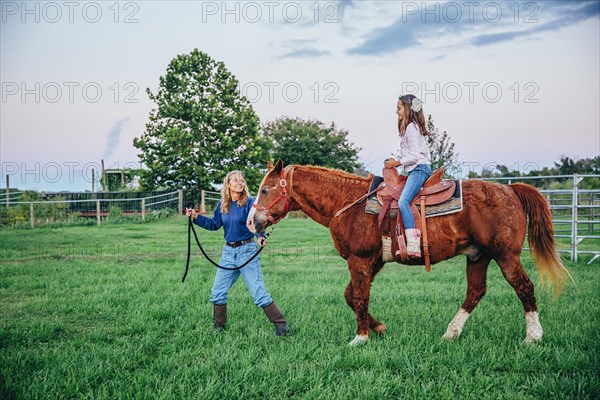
(32, 216)
(202, 201)
(98, 211)
(143, 209)
(574, 218)
(592, 215)
(180, 203)
(7, 189)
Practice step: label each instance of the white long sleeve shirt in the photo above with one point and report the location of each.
(413, 148)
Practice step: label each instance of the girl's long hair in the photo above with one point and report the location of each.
(226, 196)
(417, 117)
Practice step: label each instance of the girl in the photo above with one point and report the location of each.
(415, 158)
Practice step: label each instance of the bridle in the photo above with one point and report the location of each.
(282, 196)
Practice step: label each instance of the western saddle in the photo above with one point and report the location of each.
(434, 191)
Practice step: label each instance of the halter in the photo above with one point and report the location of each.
(282, 196)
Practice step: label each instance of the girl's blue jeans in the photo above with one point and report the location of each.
(251, 273)
(414, 183)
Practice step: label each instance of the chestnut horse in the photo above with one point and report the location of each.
(491, 226)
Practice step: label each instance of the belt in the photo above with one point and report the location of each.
(240, 243)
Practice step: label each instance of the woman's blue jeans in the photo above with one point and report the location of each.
(251, 273)
(414, 183)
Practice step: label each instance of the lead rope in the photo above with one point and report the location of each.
(189, 240)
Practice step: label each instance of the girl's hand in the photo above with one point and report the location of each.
(391, 163)
(262, 241)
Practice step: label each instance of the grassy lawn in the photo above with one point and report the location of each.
(101, 313)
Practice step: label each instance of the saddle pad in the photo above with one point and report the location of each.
(453, 205)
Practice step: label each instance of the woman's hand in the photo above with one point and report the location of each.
(190, 212)
(262, 241)
(391, 163)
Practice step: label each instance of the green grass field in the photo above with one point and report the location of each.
(101, 313)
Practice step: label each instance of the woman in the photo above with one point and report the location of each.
(231, 213)
(415, 158)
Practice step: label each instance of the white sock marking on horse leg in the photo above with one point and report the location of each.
(456, 326)
(358, 340)
(534, 328)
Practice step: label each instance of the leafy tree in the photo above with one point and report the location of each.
(311, 142)
(565, 167)
(441, 149)
(591, 166)
(200, 129)
(568, 166)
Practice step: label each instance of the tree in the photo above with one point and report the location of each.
(591, 166)
(201, 128)
(441, 150)
(568, 166)
(311, 142)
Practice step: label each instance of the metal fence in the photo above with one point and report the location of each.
(575, 211)
(98, 205)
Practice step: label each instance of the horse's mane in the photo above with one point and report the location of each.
(334, 173)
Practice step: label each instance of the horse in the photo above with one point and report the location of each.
(491, 226)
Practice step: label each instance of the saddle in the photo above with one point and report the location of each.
(434, 191)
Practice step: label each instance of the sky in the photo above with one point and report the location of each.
(515, 83)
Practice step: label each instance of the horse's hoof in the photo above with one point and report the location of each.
(534, 328)
(452, 333)
(529, 341)
(359, 340)
(533, 337)
(380, 329)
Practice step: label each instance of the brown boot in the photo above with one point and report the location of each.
(277, 318)
(220, 316)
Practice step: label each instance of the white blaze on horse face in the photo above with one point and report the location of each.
(252, 213)
(250, 220)
(456, 326)
(534, 328)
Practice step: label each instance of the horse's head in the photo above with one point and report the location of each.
(272, 202)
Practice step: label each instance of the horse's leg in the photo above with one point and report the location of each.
(360, 276)
(476, 288)
(375, 325)
(513, 272)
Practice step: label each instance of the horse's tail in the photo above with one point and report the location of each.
(541, 237)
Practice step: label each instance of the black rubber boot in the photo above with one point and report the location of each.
(277, 318)
(220, 316)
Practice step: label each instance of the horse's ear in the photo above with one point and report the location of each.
(278, 166)
(270, 166)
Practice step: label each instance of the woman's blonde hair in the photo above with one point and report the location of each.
(226, 195)
(417, 117)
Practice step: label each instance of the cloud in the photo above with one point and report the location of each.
(438, 58)
(113, 137)
(343, 6)
(305, 53)
(423, 24)
(568, 17)
(381, 41)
